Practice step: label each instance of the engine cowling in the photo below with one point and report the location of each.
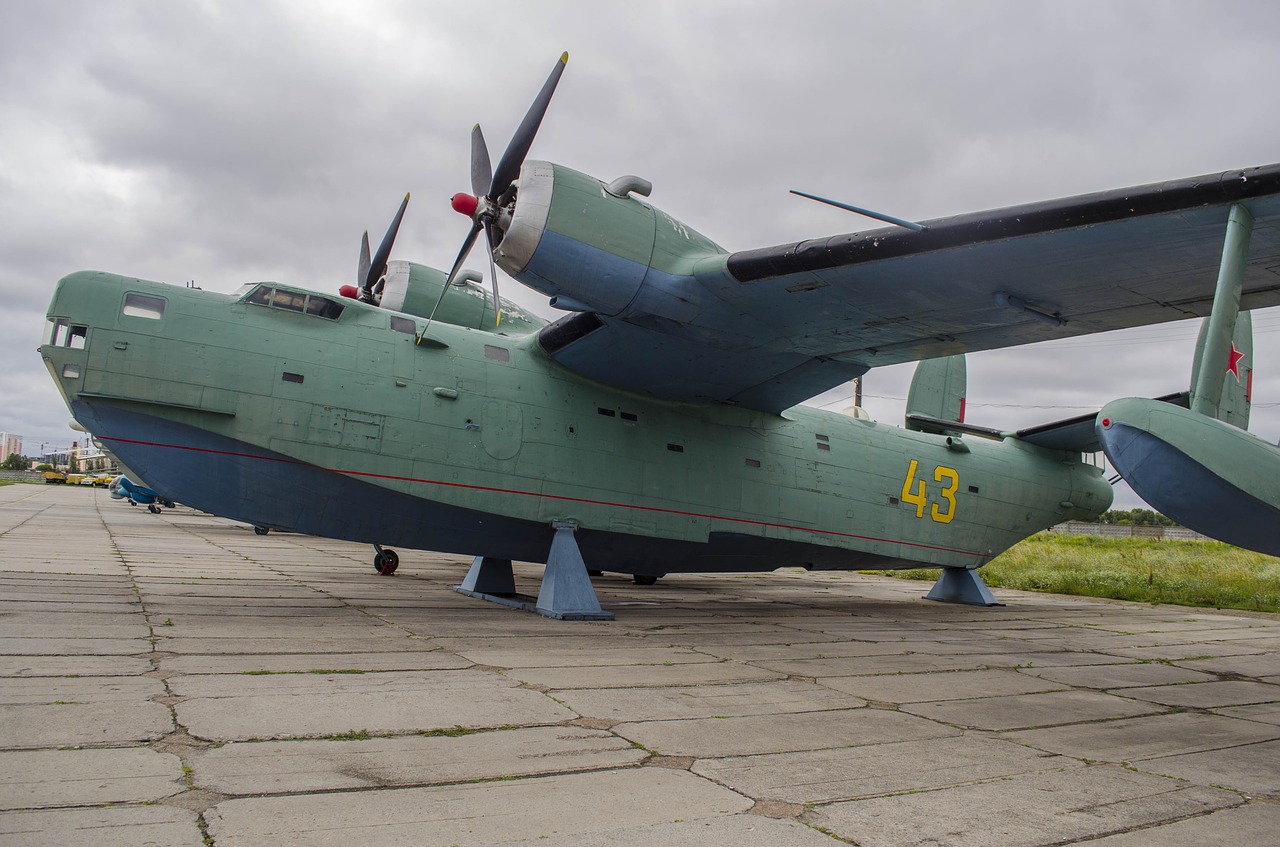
(589, 250)
(415, 290)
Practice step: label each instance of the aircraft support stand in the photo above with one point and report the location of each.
(566, 593)
(962, 585)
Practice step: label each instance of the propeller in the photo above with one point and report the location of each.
(372, 270)
(492, 186)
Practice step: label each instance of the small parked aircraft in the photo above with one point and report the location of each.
(123, 488)
(654, 429)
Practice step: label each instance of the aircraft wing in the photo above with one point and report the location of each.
(776, 326)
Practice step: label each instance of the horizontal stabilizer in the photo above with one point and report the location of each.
(942, 426)
(1078, 434)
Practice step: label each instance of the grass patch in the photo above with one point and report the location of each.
(1184, 573)
(353, 735)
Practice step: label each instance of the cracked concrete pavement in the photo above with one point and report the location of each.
(179, 680)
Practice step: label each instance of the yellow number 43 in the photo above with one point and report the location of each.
(913, 492)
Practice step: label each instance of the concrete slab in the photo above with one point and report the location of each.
(1136, 739)
(960, 685)
(714, 737)
(1028, 710)
(1055, 807)
(114, 826)
(1268, 713)
(239, 708)
(1209, 695)
(825, 776)
(706, 701)
(21, 666)
(279, 663)
(730, 831)
(69, 690)
(74, 724)
(630, 676)
(35, 646)
(1243, 825)
(295, 767)
(599, 803)
(1120, 676)
(1249, 768)
(40, 779)
(1264, 665)
(640, 654)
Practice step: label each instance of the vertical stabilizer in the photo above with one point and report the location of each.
(938, 390)
(1237, 383)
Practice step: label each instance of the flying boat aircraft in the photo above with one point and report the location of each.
(654, 429)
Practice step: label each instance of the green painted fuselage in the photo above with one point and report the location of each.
(329, 420)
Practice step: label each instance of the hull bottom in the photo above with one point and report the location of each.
(240, 481)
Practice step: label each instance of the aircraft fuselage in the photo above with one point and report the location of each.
(316, 415)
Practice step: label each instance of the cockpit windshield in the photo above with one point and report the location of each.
(287, 299)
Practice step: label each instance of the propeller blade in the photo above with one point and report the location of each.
(462, 254)
(481, 171)
(490, 237)
(363, 272)
(448, 281)
(379, 264)
(432, 315)
(513, 157)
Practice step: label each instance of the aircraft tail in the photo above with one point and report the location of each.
(1199, 465)
(937, 392)
(1235, 395)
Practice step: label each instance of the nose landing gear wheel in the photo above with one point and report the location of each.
(261, 530)
(644, 579)
(153, 509)
(385, 562)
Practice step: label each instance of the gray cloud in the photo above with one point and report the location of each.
(230, 141)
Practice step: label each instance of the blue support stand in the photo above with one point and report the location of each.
(962, 585)
(566, 593)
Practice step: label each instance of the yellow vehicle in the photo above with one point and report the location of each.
(74, 478)
(55, 477)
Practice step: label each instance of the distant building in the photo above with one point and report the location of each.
(87, 457)
(9, 444)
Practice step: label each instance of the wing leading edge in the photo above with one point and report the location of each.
(778, 325)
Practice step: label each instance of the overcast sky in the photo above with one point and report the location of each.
(224, 142)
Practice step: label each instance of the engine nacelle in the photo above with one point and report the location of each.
(415, 290)
(591, 250)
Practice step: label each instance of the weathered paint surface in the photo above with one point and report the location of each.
(476, 442)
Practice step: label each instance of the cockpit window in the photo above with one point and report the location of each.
(295, 301)
(63, 333)
(260, 295)
(143, 306)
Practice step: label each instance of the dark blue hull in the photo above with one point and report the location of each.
(240, 481)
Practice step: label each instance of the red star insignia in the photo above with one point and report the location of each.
(1233, 367)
